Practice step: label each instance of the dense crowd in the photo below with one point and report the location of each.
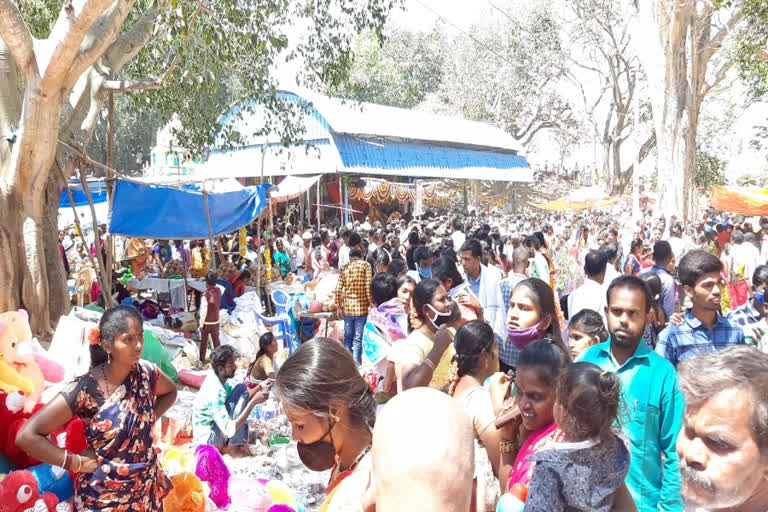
(534, 362)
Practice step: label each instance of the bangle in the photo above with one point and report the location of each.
(429, 363)
(64, 462)
(79, 463)
(508, 446)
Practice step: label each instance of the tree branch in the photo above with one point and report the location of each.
(716, 42)
(130, 43)
(100, 36)
(719, 77)
(69, 31)
(18, 39)
(132, 85)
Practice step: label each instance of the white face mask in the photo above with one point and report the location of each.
(440, 318)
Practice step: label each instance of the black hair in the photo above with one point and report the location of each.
(472, 245)
(457, 224)
(113, 322)
(611, 250)
(471, 340)
(421, 253)
(423, 294)
(637, 243)
(443, 269)
(265, 341)
(595, 263)
(590, 398)
(320, 371)
(654, 283)
(662, 251)
(633, 283)
(354, 239)
(383, 288)
(544, 299)
(211, 279)
(405, 278)
(316, 241)
(532, 241)
(737, 237)
(590, 323)
(548, 359)
(355, 253)
(760, 276)
(221, 355)
(540, 237)
(244, 275)
(413, 238)
(397, 267)
(695, 264)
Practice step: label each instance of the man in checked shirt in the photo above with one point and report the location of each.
(353, 298)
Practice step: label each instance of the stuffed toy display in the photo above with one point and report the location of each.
(23, 364)
(19, 492)
(70, 436)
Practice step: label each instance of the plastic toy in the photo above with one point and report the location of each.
(53, 479)
(249, 495)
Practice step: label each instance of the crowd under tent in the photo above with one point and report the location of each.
(345, 141)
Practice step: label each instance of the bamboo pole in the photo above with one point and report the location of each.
(210, 228)
(105, 282)
(318, 206)
(79, 227)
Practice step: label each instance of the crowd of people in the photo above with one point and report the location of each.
(531, 362)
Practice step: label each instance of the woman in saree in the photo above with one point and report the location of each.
(533, 429)
(332, 414)
(119, 400)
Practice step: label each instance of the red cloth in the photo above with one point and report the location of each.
(723, 238)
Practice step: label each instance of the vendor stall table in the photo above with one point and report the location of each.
(174, 286)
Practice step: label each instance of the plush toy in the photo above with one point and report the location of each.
(211, 468)
(18, 354)
(19, 492)
(53, 479)
(186, 495)
(70, 436)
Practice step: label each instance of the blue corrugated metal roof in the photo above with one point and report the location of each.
(383, 156)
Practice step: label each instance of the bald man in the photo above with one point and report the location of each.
(423, 456)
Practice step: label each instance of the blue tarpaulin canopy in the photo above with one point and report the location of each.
(151, 211)
(98, 194)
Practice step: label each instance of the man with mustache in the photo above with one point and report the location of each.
(723, 445)
(650, 393)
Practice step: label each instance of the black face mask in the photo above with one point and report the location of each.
(320, 455)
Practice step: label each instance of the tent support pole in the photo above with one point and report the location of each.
(318, 205)
(105, 282)
(210, 228)
(77, 224)
(346, 203)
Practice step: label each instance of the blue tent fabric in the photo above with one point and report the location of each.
(98, 194)
(151, 211)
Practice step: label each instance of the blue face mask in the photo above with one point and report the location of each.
(760, 297)
(426, 272)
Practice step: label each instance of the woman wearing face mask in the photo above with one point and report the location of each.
(332, 413)
(445, 271)
(477, 358)
(424, 357)
(532, 316)
(585, 329)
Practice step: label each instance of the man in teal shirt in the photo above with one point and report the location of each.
(653, 403)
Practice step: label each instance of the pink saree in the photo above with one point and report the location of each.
(522, 470)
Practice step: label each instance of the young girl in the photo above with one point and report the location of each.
(585, 329)
(587, 470)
